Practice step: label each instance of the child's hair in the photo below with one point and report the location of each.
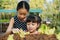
(23, 3)
(33, 18)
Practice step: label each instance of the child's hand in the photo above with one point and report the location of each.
(15, 30)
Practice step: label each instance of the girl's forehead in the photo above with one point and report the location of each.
(23, 9)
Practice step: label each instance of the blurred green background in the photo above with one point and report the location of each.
(48, 10)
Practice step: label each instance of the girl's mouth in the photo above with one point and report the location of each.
(30, 28)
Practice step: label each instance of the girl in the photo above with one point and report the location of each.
(19, 21)
(33, 23)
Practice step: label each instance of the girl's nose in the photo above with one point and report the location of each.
(30, 25)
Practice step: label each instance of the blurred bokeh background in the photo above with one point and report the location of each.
(48, 10)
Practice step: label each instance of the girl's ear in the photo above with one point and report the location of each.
(27, 15)
(38, 24)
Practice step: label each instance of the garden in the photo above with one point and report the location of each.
(49, 11)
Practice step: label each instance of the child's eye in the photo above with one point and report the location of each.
(20, 13)
(24, 14)
(28, 24)
(33, 24)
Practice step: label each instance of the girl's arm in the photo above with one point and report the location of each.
(9, 29)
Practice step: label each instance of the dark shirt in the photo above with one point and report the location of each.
(19, 24)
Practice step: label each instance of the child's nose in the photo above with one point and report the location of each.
(30, 25)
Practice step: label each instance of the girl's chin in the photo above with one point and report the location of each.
(31, 31)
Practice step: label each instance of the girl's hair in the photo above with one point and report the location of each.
(23, 3)
(33, 18)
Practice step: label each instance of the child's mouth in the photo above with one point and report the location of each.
(30, 29)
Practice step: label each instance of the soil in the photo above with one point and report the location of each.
(32, 37)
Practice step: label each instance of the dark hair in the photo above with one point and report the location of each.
(33, 18)
(20, 5)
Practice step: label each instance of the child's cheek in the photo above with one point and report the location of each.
(28, 27)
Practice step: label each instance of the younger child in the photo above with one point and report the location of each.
(33, 23)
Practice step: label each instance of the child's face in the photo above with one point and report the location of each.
(31, 27)
(22, 13)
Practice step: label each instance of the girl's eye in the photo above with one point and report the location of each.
(28, 24)
(33, 24)
(20, 14)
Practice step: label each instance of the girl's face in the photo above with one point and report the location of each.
(22, 13)
(31, 27)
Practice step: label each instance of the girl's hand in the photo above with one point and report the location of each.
(15, 30)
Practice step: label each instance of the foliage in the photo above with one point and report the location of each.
(8, 4)
(58, 36)
(10, 37)
(21, 33)
(46, 30)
